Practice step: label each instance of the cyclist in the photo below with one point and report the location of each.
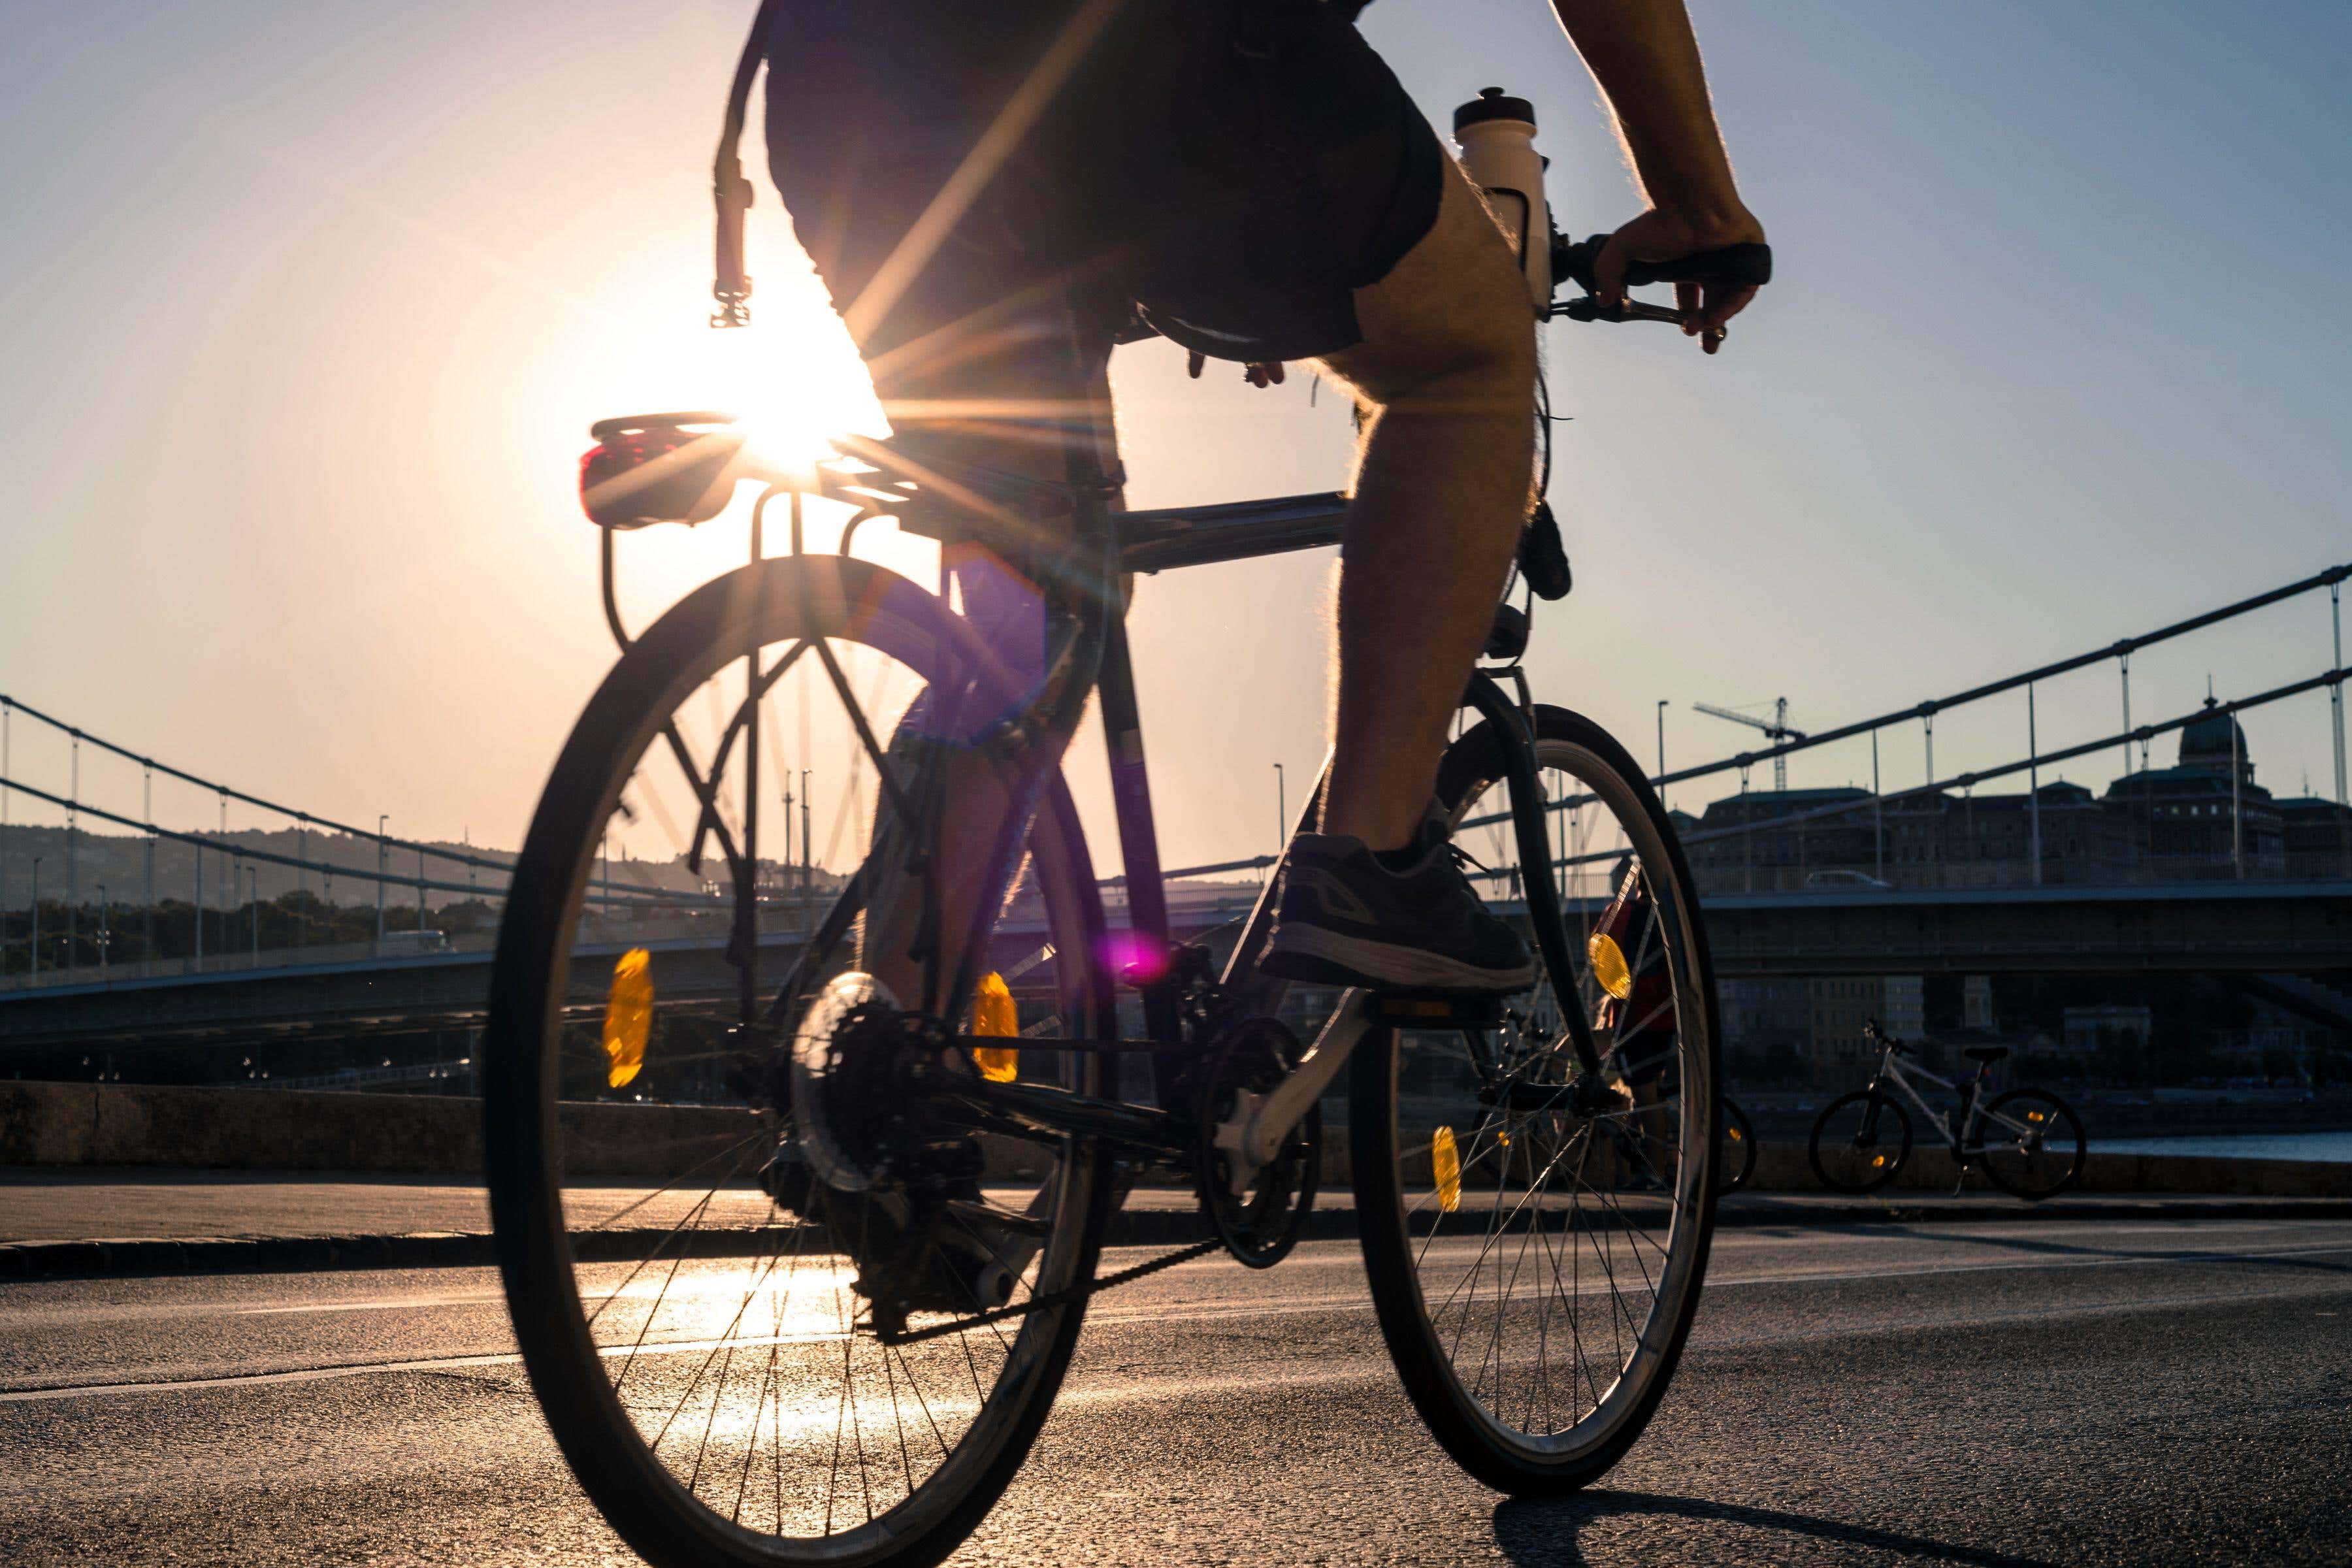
(1252, 176)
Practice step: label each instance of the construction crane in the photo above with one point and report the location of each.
(1775, 729)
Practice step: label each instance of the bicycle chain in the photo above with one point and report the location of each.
(1057, 1298)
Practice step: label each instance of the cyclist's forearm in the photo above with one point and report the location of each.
(1644, 57)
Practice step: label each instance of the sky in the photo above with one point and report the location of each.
(307, 311)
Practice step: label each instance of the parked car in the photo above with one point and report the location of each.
(399, 941)
(1848, 880)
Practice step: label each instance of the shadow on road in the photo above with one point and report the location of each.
(2114, 1251)
(1545, 1534)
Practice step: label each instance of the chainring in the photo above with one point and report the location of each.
(1262, 1221)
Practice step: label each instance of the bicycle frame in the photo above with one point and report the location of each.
(1092, 655)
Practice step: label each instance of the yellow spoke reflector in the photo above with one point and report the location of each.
(993, 1013)
(1609, 966)
(1446, 1161)
(1732, 1133)
(628, 1015)
(1877, 1161)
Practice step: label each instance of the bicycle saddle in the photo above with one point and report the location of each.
(1987, 1054)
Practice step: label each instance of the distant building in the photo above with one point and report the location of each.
(2203, 818)
(1903, 1006)
(1759, 1014)
(2318, 836)
(1976, 1004)
(1839, 1054)
(2088, 1028)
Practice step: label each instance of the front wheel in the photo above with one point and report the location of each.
(2033, 1144)
(1537, 1243)
(1860, 1141)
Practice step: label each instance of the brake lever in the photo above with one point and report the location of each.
(1588, 308)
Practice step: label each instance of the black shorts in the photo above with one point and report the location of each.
(1236, 167)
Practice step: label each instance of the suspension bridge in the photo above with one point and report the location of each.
(2161, 877)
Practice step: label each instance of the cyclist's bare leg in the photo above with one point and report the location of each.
(973, 795)
(1446, 377)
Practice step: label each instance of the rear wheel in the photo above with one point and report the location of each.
(1536, 1244)
(708, 1356)
(1860, 1141)
(2034, 1143)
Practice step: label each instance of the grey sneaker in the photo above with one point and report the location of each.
(1346, 920)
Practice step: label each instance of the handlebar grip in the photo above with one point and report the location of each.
(1737, 264)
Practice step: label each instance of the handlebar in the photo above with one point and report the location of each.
(1750, 264)
(1739, 264)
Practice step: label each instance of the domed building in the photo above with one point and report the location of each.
(2205, 816)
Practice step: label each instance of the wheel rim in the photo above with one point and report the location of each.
(1856, 1150)
(1554, 1283)
(729, 1330)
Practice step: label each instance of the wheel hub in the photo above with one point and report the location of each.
(842, 1064)
(891, 1184)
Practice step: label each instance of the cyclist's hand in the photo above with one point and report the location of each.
(1659, 235)
(1255, 374)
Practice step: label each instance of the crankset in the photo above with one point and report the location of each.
(1257, 1214)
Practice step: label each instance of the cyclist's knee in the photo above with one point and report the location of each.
(1474, 352)
(1487, 366)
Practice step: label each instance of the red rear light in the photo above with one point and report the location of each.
(664, 468)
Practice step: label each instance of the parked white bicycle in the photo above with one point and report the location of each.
(2028, 1142)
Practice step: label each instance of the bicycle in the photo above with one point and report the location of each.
(2028, 1141)
(906, 1211)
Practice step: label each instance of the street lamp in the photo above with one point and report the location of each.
(1281, 809)
(1662, 754)
(105, 930)
(37, 914)
(382, 818)
(256, 874)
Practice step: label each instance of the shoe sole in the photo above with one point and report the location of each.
(1328, 957)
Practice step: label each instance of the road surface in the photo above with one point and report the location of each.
(1979, 1393)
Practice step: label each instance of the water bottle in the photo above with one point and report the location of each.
(1497, 134)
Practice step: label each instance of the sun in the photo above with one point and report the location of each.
(792, 377)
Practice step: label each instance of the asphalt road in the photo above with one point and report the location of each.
(1979, 1393)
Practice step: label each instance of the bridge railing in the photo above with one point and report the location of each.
(629, 895)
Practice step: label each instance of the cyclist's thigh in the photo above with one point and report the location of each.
(1453, 311)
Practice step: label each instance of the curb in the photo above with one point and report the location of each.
(1743, 1212)
(131, 1257)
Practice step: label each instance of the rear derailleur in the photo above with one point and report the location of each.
(875, 1161)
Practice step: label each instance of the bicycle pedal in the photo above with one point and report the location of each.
(1438, 1009)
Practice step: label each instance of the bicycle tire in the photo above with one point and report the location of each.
(664, 1521)
(1513, 1459)
(1874, 1168)
(2046, 1156)
(1740, 1147)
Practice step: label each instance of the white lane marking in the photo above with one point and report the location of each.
(1229, 1309)
(390, 1304)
